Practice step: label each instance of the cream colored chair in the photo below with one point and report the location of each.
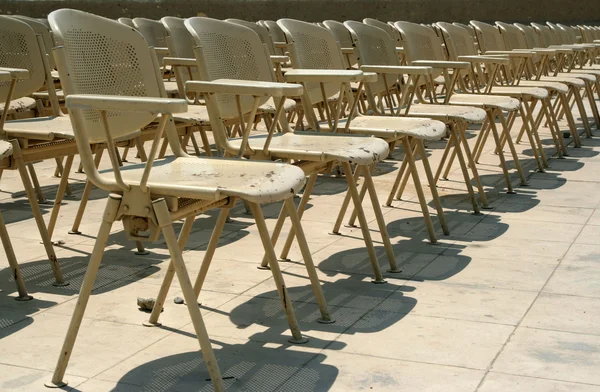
(227, 51)
(314, 47)
(341, 34)
(149, 198)
(277, 35)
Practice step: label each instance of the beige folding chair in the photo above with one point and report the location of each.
(277, 35)
(410, 132)
(342, 35)
(149, 198)
(459, 44)
(491, 42)
(226, 51)
(8, 80)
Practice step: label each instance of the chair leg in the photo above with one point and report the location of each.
(13, 263)
(592, 101)
(449, 145)
(60, 171)
(308, 263)
(492, 116)
(534, 142)
(385, 237)
(169, 275)
(362, 220)
(205, 143)
(301, 207)
(583, 114)
(110, 213)
(164, 220)
(85, 196)
(36, 184)
(361, 195)
(344, 207)
(60, 194)
(555, 129)
(39, 219)
(463, 166)
(139, 145)
(210, 250)
(399, 177)
(511, 146)
(297, 337)
(432, 187)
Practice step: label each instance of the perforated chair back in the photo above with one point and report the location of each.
(385, 27)
(513, 37)
(546, 36)
(153, 31)
(313, 47)
(561, 36)
(420, 43)
(342, 35)
(230, 51)
(276, 33)
(126, 22)
(41, 29)
(104, 57)
(458, 40)
(375, 47)
(488, 37)
(570, 33)
(19, 49)
(181, 44)
(262, 32)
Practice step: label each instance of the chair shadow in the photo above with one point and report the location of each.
(244, 367)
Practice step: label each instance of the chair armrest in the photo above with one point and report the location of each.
(399, 70)
(280, 59)
(179, 61)
(5, 76)
(443, 64)
(347, 50)
(280, 45)
(161, 51)
(323, 75)
(485, 59)
(245, 87)
(545, 51)
(524, 53)
(370, 77)
(16, 73)
(126, 104)
(561, 49)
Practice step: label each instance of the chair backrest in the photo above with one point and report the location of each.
(587, 35)
(262, 32)
(230, 51)
(276, 33)
(532, 38)
(153, 31)
(342, 35)
(313, 47)
(488, 37)
(420, 42)
(546, 36)
(375, 47)
(513, 37)
(181, 44)
(458, 40)
(571, 32)
(19, 49)
(388, 28)
(561, 36)
(126, 21)
(104, 57)
(41, 29)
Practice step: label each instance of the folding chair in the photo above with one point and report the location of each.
(277, 35)
(227, 51)
(148, 198)
(342, 35)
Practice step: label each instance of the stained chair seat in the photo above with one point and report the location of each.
(547, 84)
(321, 146)
(520, 92)
(6, 149)
(448, 112)
(20, 105)
(255, 181)
(485, 101)
(392, 128)
(270, 107)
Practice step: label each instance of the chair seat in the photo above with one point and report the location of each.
(255, 181)
(269, 106)
(587, 76)
(171, 88)
(195, 115)
(44, 95)
(485, 101)
(392, 128)
(447, 113)
(548, 85)
(6, 149)
(569, 81)
(520, 92)
(19, 105)
(318, 146)
(41, 128)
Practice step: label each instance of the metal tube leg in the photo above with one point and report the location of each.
(467, 152)
(308, 263)
(432, 187)
(479, 151)
(449, 145)
(385, 237)
(210, 249)
(169, 274)
(344, 208)
(297, 337)
(60, 194)
(301, 207)
(511, 146)
(396, 183)
(465, 172)
(361, 194)
(36, 184)
(538, 151)
(13, 263)
(110, 214)
(164, 220)
(415, 175)
(60, 171)
(205, 143)
(363, 223)
(500, 152)
(39, 220)
(583, 114)
(590, 96)
(403, 184)
(85, 197)
(555, 129)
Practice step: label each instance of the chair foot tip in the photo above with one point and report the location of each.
(351, 226)
(60, 284)
(378, 281)
(511, 192)
(143, 253)
(394, 271)
(52, 384)
(149, 324)
(285, 260)
(74, 232)
(24, 298)
(325, 321)
(334, 233)
(301, 340)
(260, 267)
